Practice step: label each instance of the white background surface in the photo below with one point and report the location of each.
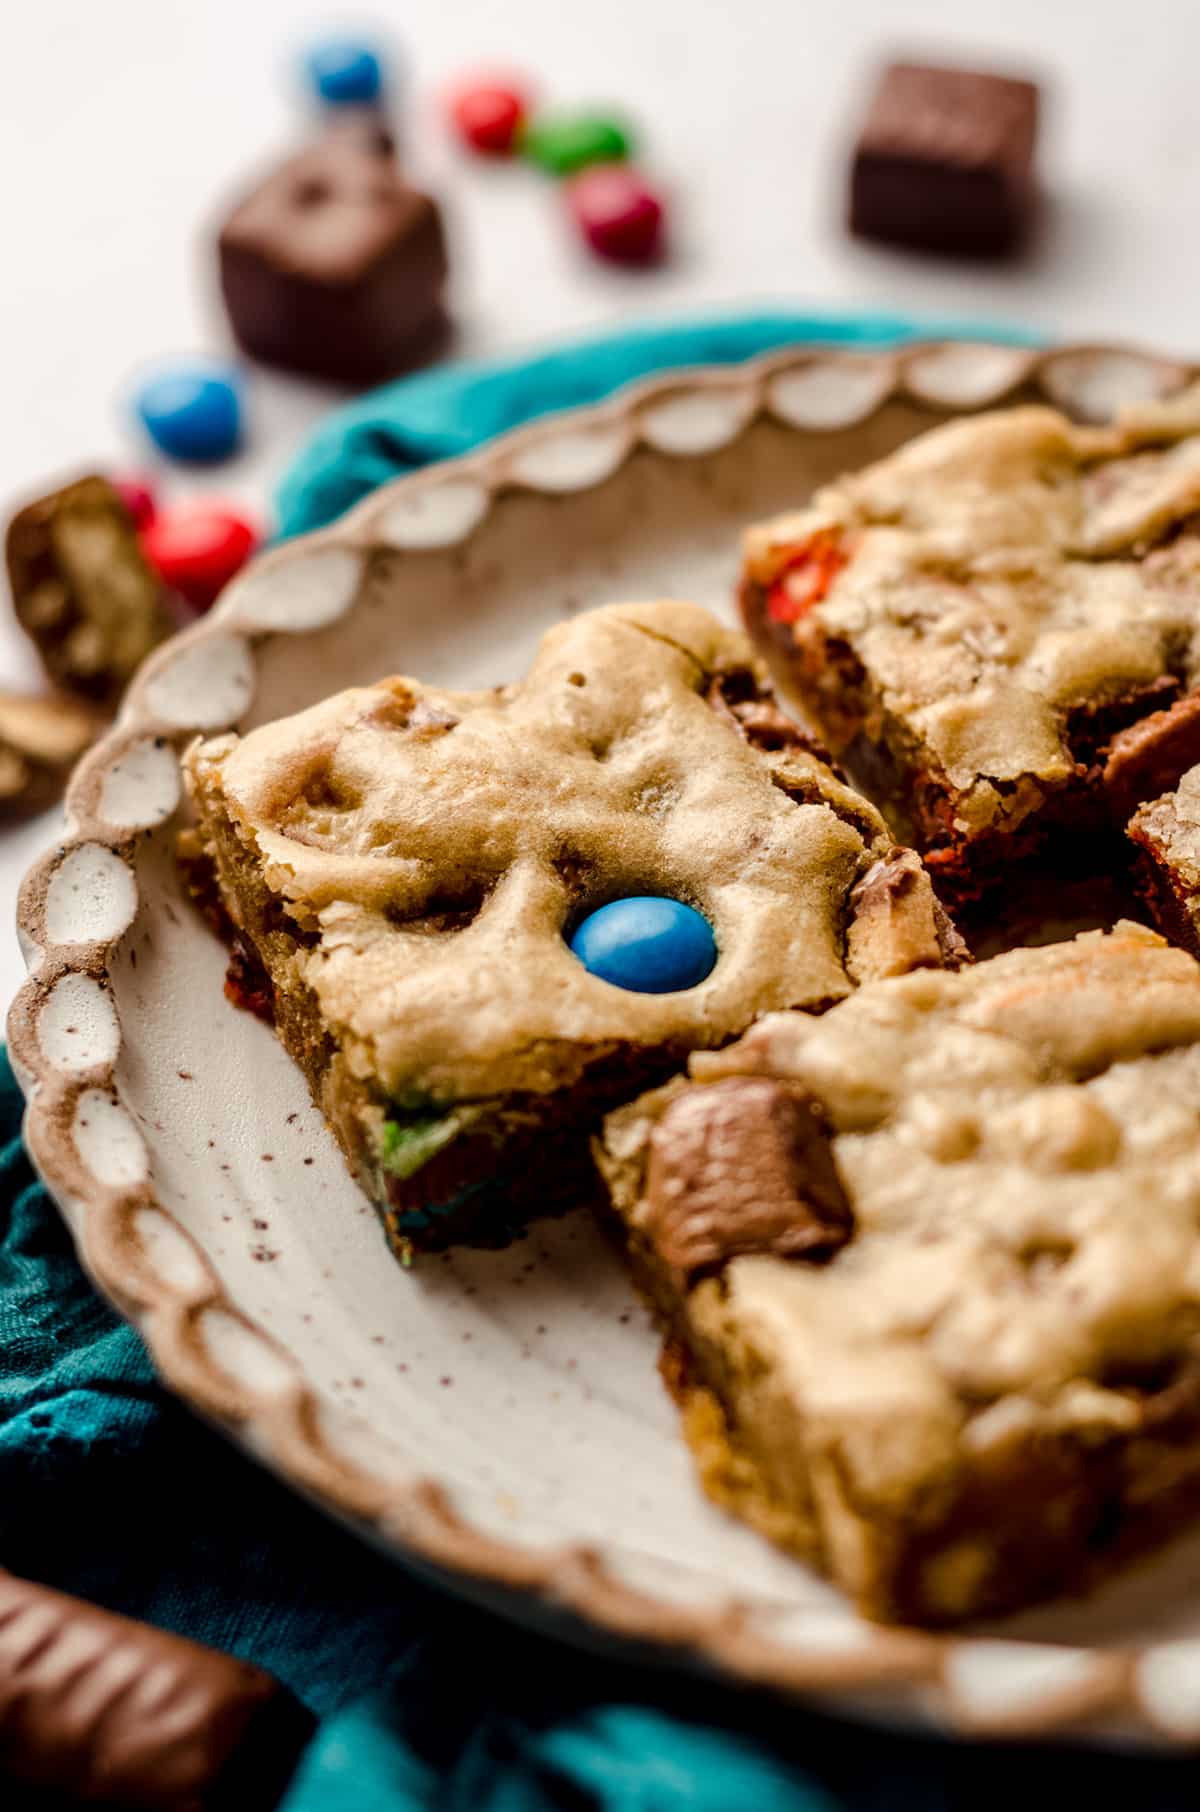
(124, 125)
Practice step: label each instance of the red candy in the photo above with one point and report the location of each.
(197, 548)
(138, 498)
(808, 571)
(620, 217)
(488, 116)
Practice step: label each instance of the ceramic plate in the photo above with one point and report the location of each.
(495, 1415)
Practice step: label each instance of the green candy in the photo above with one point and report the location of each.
(408, 1144)
(562, 146)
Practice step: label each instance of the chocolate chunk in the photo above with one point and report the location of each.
(897, 923)
(751, 708)
(334, 266)
(743, 1166)
(1151, 757)
(40, 741)
(944, 161)
(82, 589)
(112, 1712)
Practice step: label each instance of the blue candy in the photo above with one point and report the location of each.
(646, 944)
(192, 413)
(345, 74)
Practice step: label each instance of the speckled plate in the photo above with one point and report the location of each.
(495, 1415)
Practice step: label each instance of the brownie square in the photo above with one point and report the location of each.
(401, 867)
(927, 1268)
(944, 161)
(334, 266)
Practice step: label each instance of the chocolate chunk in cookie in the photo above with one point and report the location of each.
(744, 1166)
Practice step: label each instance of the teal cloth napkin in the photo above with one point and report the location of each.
(109, 1488)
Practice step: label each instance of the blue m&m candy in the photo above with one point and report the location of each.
(646, 944)
(192, 412)
(345, 73)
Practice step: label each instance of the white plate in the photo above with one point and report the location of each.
(494, 1414)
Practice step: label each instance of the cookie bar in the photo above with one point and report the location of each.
(975, 620)
(930, 1271)
(403, 866)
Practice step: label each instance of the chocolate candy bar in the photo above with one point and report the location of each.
(113, 1712)
(83, 590)
(334, 266)
(944, 161)
(40, 741)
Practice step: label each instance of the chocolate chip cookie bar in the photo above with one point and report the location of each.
(929, 1267)
(973, 622)
(404, 869)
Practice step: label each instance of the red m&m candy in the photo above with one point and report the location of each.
(619, 216)
(488, 116)
(197, 548)
(138, 498)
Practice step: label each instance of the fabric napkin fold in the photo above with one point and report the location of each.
(111, 1490)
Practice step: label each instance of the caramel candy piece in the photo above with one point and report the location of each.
(1151, 756)
(40, 741)
(944, 161)
(897, 923)
(334, 266)
(744, 1166)
(82, 589)
(114, 1712)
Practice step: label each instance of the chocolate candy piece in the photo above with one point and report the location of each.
(334, 267)
(744, 1166)
(345, 73)
(488, 116)
(646, 944)
(562, 146)
(82, 589)
(196, 549)
(620, 217)
(116, 1713)
(40, 741)
(945, 161)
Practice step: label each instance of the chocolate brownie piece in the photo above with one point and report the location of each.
(929, 1271)
(82, 589)
(334, 266)
(975, 621)
(945, 161)
(404, 864)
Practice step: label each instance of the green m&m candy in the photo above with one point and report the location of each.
(569, 143)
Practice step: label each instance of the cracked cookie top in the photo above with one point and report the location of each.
(989, 1218)
(432, 847)
(996, 577)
